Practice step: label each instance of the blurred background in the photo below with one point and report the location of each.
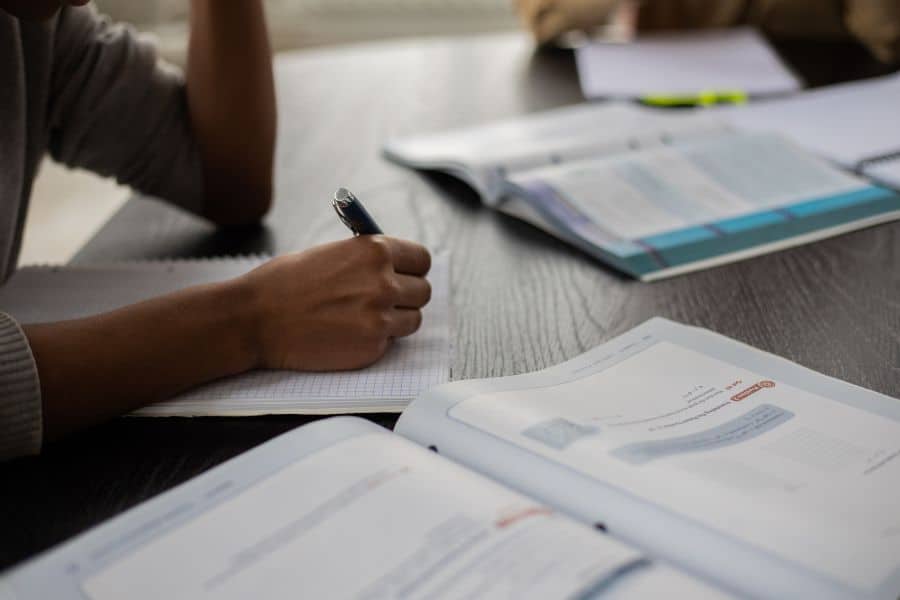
(302, 23)
(67, 207)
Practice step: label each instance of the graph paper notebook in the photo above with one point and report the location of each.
(412, 365)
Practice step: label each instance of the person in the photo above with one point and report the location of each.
(94, 95)
(874, 23)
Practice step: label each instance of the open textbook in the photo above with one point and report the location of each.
(412, 365)
(671, 461)
(653, 193)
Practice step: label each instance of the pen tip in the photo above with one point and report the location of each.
(342, 194)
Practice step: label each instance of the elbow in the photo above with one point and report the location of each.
(238, 205)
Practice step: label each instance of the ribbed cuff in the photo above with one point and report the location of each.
(20, 393)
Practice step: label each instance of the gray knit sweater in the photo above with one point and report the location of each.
(94, 96)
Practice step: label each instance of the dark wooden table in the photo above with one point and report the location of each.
(522, 300)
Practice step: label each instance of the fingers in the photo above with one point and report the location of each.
(550, 25)
(530, 9)
(409, 258)
(404, 321)
(534, 14)
(412, 292)
(549, 19)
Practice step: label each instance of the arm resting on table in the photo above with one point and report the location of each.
(98, 367)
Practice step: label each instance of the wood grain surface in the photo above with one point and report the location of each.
(522, 300)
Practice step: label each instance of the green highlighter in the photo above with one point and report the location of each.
(703, 98)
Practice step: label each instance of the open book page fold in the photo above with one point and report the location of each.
(653, 193)
(738, 466)
(344, 509)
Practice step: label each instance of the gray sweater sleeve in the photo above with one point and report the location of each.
(20, 402)
(115, 109)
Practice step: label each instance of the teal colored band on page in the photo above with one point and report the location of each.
(831, 203)
(747, 222)
(768, 226)
(680, 237)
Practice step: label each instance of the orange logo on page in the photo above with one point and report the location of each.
(752, 390)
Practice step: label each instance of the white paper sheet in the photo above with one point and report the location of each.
(885, 172)
(684, 63)
(846, 123)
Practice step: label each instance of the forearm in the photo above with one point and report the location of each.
(95, 368)
(231, 97)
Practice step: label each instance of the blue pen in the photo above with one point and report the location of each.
(353, 214)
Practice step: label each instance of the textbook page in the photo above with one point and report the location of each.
(765, 476)
(644, 193)
(696, 203)
(684, 63)
(411, 365)
(847, 123)
(342, 509)
(484, 155)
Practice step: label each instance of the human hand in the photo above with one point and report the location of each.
(548, 19)
(338, 305)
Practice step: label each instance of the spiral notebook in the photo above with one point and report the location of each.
(412, 365)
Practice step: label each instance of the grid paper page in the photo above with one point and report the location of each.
(411, 366)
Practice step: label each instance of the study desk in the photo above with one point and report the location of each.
(522, 299)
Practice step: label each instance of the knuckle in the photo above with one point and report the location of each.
(378, 250)
(385, 289)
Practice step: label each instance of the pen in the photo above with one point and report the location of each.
(353, 214)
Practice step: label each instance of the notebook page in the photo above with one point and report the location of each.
(684, 63)
(412, 365)
(861, 117)
(885, 172)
